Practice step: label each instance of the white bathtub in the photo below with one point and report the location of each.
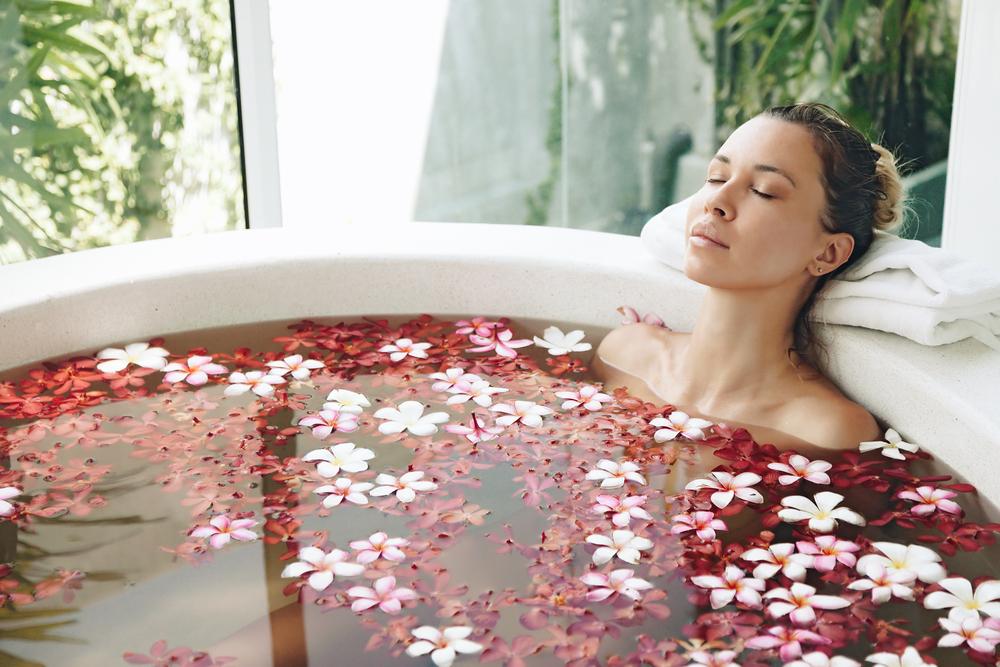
(947, 399)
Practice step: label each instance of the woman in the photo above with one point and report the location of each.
(792, 198)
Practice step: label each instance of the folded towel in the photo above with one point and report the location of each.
(902, 286)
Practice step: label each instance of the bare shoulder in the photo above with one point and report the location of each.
(833, 421)
(630, 347)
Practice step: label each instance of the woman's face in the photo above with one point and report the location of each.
(762, 197)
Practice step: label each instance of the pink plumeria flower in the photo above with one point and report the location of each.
(820, 659)
(480, 325)
(501, 342)
(255, 381)
(624, 508)
(822, 513)
(969, 630)
(787, 640)
(222, 529)
(409, 416)
(344, 489)
(405, 486)
(679, 423)
(140, 354)
(299, 368)
(923, 563)
(732, 584)
(883, 583)
(929, 500)
(624, 544)
(779, 557)
(890, 447)
(631, 316)
(379, 545)
(6, 493)
(328, 421)
(799, 467)
(614, 475)
(322, 567)
(442, 645)
(618, 581)
(404, 347)
(451, 378)
(703, 523)
(194, 371)
(559, 343)
(588, 396)
(344, 456)
(346, 401)
(962, 601)
(384, 594)
(479, 391)
(827, 551)
(800, 602)
(476, 431)
(909, 658)
(729, 486)
(524, 412)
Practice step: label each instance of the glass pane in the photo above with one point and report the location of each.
(119, 124)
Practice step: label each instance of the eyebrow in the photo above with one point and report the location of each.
(759, 167)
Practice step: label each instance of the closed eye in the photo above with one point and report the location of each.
(756, 192)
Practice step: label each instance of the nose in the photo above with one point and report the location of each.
(717, 201)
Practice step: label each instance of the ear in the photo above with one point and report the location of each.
(836, 251)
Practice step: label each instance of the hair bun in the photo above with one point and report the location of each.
(889, 202)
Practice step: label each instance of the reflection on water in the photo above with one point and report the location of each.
(505, 502)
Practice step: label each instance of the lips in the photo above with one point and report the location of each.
(707, 232)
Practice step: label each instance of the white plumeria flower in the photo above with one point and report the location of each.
(822, 514)
(409, 416)
(379, 545)
(524, 412)
(624, 508)
(799, 467)
(221, 529)
(451, 378)
(443, 646)
(384, 594)
(6, 493)
(884, 584)
(344, 489)
(779, 557)
(924, 563)
(963, 601)
(613, 475)
(479, 391)
(345, 456)
(969, 630)
(623, 543)
(328, 421)
(910, 658)
(140, 354)
(827, 551)
(323, 567)
(299, 368)
(618, 581)
(890, 447)
(733, 584)
(716, 659)
(405, 486)
(256, 381)
(800, 602)
(820, 659)
(404, 347)
(929, 500)
(559, 343)
(346, 401)
(729, 486)
(679, 423)
(588, 396)
(195, 370)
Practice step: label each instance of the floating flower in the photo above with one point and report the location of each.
(822, 514)
(404, 347)
(194, 371)
(910, 658)
(409, 416)
(255, 381)
(328, 421)
(623, 543)
(299, 368)
(222, 529)
(703, 523)
(345, 456)
(442, 645)
(525, 412)
(732, 584)
(922, 562)
(588, 396)
(613, 475)
(624, 508)
(788, 641)
(930, 500)
(827, 551)
(969, 630)
(728, 486)
(480, 391)
(800, 602)
(890, 447)
(501, 342)
(405, 487)
(618, 581)
(883, 583)
(6, 493)
(477, 431)
(322, 567)
(820, 659)
(344, 489)
(963, 602)
(380, 545)
(679, 423)
(140, 354)
(346, 401)
(559, 343)
(779, 557)
(799, 467)
(384, 594)
(451, 378)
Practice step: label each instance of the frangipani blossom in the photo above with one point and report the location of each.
(451, 378)
(255, 381)
(703, 523)
(890, 447)
(623, 543)
(922, 562)
(779, 557)
(631, 316)
(409, 416)
(820, 659)
(480, 391)
(328, 421)
(963, 602)
(194, 371)
(588, 396)
(800, 602)
(822, 514)
(883, 583)
(728, 486)
(6, 493)
(384, 594)
(344, 456)
(787, 640)
(322, 567)
(733, 584)
(346, 401)
(380, 545)
(222, 529)
(799, 467)
(613, 475)
(624, 508)
(476, 431)
(299, 368)
(969, 630)
(404, 347)
(930, 499)
(405, 487)
(559, 343)
(827, 551)
(442, 645)
(679, 423)
(909, 658)
(524, 412)
(501, 342)
(344, 489)
(140, 354)
(618, 581)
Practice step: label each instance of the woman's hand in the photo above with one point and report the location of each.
(632, 317)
